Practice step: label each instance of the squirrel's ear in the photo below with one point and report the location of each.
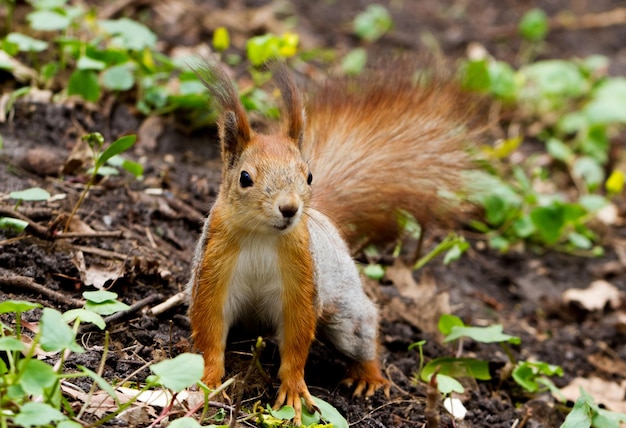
(293, 101)
(234, 131)
(234, 127)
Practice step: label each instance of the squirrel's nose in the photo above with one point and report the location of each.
(288, 210)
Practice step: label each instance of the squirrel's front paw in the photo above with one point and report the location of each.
(290, 393)
(367, 374)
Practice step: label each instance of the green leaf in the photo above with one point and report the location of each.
(85, 84)
(107, 307)
(48, 4)
(101, 382)
(84, 316)
(56, 335)
(608, 103)
(285, 413)
(9, 223)
(476, 75)
(36, 376)
(99, 296)
(133, 167)
(32, 194)
(17, 306)
(48, 20)
(129, 34)
(579, 241)
(119, 77)
(373, 23)
(354, 61)
(447, 384)
(25, 43)
(37, 414)
(11, 344)
(524, 227)
(593, 203)
(549, 222)
(489, 334)
(455, 252)
(117, 147)
(70, 424)
(185, 422)
(457, 368)
(447, 322)
(87, 63)
(559, 150)
(180, 372)
(579, 417)
(555, 77)
(328, 413)
(374, 271)
(534, 25)
(502, 80)
(590, 171)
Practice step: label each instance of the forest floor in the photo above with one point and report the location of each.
(156, 222)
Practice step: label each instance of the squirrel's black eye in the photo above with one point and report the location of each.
(245, 180)
(309, 179)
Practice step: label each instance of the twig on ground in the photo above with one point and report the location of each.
(176, 300)
(100, 252)
(28, 283)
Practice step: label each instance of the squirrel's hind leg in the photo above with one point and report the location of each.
(353, 330)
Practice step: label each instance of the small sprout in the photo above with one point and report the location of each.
(534, 25)
(354, 61)
(374, 271)
(372, 23)
(9, 223)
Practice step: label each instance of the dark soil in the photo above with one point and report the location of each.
(521, 290)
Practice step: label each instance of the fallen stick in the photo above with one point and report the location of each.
(28, 283)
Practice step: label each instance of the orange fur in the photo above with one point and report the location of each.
(208, 299)
(388, 141)
(300, 315)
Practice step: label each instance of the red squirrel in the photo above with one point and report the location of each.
(275, 248)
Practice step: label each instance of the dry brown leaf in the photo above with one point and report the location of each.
(421, 304)
(98, 276)
(610, 394)
(148, 133)
(607, 364)
(79, 226)
(596, 297)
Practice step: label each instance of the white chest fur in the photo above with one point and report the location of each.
(256, 284)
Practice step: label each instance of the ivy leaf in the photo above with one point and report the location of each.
(37, 414)
(84, 83)
(129, 34)
(489, 334)
(118, 77)
(180, 372)
(56, 335)
(25, 43)
(48, 20)
(17, 306)
(32, 194)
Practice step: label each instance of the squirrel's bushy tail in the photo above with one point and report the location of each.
(391, 139)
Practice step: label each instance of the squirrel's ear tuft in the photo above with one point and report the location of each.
(234, 136)
(234, 127)
(294, 109)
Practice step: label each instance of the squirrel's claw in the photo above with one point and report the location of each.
(367, 377)
(290, 396)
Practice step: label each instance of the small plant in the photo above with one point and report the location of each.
(586, 414)
(30, 390)
(327, 413)
(531, 376)
(95, 141)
